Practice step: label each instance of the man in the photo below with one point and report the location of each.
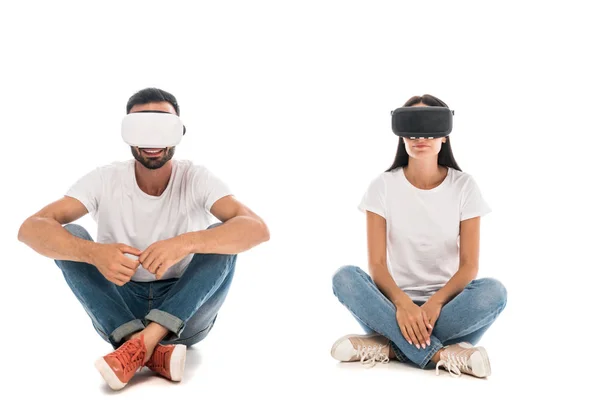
(156, 277)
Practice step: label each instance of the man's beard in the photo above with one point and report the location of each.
(154, 162)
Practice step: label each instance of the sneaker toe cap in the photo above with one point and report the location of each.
(344, 351)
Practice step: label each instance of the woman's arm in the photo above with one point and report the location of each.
(376, 241)
(412, 320)
(469, 263)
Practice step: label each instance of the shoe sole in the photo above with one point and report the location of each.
(177, 363)
(340, 340)
(108, 374)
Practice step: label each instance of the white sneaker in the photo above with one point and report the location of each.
(464, 358)
(368, 349)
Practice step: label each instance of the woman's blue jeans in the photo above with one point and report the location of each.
(465, 318)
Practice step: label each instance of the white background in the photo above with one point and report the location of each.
(289, 103)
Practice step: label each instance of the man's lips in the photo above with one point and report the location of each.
(151, 152)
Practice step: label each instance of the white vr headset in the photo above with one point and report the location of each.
(152, 129)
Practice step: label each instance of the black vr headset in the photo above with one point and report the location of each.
(422, 122)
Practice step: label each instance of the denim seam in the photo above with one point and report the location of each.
(149, 297)
(96, 325)
(399, 355)
(213, 285)
(101, 331)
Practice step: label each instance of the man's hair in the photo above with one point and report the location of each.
(152, 95)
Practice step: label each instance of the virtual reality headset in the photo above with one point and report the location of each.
(152, 129)
(422, 122)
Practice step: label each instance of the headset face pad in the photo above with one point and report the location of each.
(422, 122)
(152, 129)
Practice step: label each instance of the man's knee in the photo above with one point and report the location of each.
(78, 231)
(214, 259)
(215, 225)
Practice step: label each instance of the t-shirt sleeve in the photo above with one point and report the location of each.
(374, 198)
(208, 188)
(472, 202)
(88, 190)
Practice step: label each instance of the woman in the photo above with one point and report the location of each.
(421, 302)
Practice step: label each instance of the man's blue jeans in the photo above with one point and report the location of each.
(186, 306)
(465, 318)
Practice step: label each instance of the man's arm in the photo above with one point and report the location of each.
(44, 233)
(241, 230)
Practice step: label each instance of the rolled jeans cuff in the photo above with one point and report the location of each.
(167, 320)
(434, 348)
(117, 336)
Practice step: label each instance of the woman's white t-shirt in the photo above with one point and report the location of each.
(423, 227)
(126, 214)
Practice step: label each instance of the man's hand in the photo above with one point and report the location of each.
(432, 309)
(113, 264)
(161, 256)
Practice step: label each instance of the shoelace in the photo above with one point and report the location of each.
(130, 355)
(370, 355)
(454, 363)
(158, 358)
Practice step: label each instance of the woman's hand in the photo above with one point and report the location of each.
(414, 324)
(412, 320)
(432, 310)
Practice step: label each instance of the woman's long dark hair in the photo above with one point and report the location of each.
(445, 156)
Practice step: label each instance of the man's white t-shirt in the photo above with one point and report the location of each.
(423, 227)
(126, 214)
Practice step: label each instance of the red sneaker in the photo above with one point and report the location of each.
(168, 361)
(118, 367)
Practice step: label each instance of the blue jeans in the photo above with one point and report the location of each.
(186, 306)
(465, 318)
